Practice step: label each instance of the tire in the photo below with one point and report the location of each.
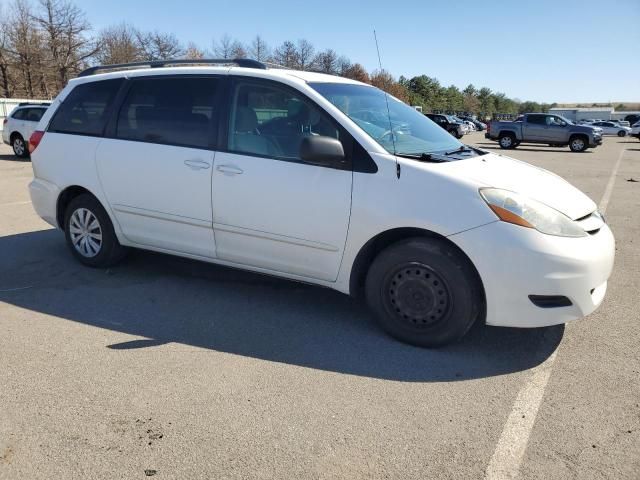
(578, 144)
(79, 221)
(20, 148)
(507, 140)
(622, 133)
(424, 292)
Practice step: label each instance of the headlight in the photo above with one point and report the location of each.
(520, 210)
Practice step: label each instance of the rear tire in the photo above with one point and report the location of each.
(423, 291)
(507, 140)
(89, 233)
(19, 146)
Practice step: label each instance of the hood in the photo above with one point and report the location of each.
(497, 171)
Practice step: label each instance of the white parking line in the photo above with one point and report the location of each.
(506, 459)
(14, 203)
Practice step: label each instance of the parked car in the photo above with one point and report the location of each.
(632, 118)
(267, 170)
(448, 123)
(622, 123)
(19, 125)
(610, 128)
(543, 128)
(635, 130)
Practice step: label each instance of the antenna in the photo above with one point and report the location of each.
(386, 98)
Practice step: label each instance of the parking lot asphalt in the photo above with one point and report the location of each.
(171, 368)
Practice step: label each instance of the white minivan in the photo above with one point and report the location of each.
(319, 179)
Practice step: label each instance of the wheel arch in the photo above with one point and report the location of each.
(66, 195)
(15, 134)
(382, 240)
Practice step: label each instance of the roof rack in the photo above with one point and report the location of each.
(37, 104)
(240, 62)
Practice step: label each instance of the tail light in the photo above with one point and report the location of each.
(4, 122)
(35, 139)
(488, 127)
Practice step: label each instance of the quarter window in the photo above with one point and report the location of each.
(85, 111)
(271, 121)
(19, 114)
(174, 111)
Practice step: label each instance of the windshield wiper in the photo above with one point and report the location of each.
(465, 149)
(424, 157)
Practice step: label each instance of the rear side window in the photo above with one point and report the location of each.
(174, 111)
(34, 114)
(537, 119)
(19, 114)
(85, 111)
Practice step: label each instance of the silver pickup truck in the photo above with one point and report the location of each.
(543, 128)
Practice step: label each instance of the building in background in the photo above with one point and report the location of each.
(591, 113)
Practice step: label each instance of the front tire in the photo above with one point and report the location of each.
(578, 144)
(89, 233)
(424, 292)
(19, 146)
(622, 133)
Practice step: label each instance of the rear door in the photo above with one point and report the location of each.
(272, 210)
(156, 166)
(534, 128)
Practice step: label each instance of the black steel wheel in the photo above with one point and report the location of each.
(424, 291)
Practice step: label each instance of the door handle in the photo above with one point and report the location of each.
(197, 164)
(232, 169)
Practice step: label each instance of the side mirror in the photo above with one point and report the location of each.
(322, 151)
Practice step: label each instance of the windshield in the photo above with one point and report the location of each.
(408, 130)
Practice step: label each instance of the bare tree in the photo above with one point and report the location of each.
(5, 81)
(286, 55)
(158, 45)
(327, 61)
(356, 72)
(192, 52)
(238, 50)
(224, 48)
(24, 42)
(65, 30)
(119, 44)
(259, 50)
(304, 54)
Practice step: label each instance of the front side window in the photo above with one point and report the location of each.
(174, 111)
(86, 109)
(398, 128)
(271, 121)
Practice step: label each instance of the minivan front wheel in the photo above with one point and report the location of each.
(89, 233)
(423, 291)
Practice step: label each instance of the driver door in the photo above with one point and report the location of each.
(270, 209)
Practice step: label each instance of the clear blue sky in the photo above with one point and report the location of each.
(541, 50)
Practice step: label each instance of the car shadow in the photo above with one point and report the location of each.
(10, 157)
(165, 299)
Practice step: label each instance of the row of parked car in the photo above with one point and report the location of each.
(621, 128)
(457, 126)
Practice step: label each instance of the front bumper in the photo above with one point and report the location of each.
(516, 262)
(596, 141)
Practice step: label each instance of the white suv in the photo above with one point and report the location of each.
(319, 179)
(19, 125)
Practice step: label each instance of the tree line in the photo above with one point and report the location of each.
(46, 43)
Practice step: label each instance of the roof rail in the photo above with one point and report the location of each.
(37, 104)
(240, 62)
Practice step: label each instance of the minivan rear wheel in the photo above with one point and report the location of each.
(89, 233)
(423, 291)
